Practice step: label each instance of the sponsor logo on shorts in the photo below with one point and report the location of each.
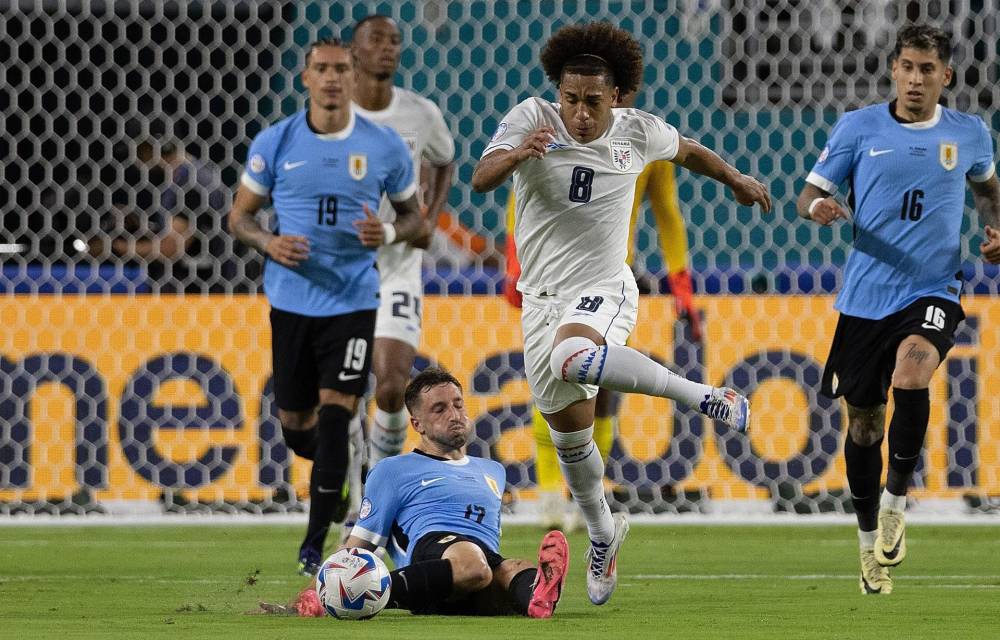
(447, 539)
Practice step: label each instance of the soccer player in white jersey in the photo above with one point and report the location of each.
(575, 165)
(907, 163)
(376, 44)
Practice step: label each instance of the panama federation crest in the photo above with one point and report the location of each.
(357, 165)
(948, 155)
(621, 153)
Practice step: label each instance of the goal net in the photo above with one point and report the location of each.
(141, 384)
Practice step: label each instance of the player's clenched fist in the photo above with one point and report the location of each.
(826, 211)
(990, 247)
(288, 250)
(534, 145)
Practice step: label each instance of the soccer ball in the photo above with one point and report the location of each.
(353, 584)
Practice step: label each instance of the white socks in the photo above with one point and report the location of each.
(890, 501)
(388, 433)
(583, 469)
(578, 359)
(866, 539)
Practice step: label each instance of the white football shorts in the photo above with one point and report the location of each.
(400, 307)
(609, 307)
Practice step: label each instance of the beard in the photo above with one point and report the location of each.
(451, 439)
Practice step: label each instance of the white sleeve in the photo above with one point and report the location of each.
(515, 126)
(440, 148)
(662, 140)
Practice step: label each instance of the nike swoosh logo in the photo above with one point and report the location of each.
(899, 457)
(873, 153)
(928, 325)
(294, 165)
(346, 377)
(424, 483)
(322, 490)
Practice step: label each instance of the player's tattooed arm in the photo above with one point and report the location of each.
(286, 250)
(695, 157)
(987, 197)
(494, 169)
(819, 205)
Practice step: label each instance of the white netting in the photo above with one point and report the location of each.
(119, 116)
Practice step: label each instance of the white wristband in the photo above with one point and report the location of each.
(812, 205)
(390, 233)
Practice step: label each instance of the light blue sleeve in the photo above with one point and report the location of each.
(258, 174)
(400, 183)
(983, 167)
(379, 507)
(836, 162)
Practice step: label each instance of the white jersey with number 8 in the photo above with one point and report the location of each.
(573, 205)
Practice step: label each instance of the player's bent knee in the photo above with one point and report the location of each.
(574, 360)
(866, 425)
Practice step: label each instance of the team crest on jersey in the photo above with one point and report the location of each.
(257, 163)
(948, 155)
(621, 153)
(357, 165)
(492, 484)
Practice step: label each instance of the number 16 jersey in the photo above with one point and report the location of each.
(573, 205)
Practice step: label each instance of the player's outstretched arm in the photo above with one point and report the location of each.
(494, 169)
(987, 197)
(286, 250)
(700, 159)
(818, 205)
(354, 541)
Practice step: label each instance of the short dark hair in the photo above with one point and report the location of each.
(925, 38)
(324, 42)
(429, 377)
(594, 49)
(363, 21)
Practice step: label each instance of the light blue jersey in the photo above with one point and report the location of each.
(907, 190)
(419, 493)
(318, 184)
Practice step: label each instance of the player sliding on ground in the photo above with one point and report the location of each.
(440, 509)
(575, 165)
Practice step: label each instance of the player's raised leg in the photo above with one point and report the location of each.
(620, 368)
(916, 360)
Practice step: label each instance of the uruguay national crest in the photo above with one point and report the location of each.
(948, 155)
(357, 165)
(621, 153)
(493, 486)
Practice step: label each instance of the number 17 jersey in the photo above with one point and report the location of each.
(573, 205)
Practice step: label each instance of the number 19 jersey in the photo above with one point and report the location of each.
(319, 184)
(573, 205)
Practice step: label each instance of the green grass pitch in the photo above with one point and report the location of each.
(683, 582)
